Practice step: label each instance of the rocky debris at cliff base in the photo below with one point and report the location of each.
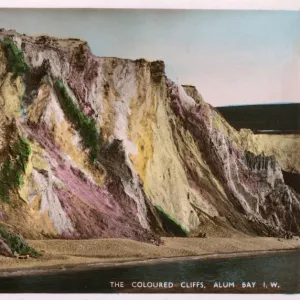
(202, 235)
(288, 235)
(22, 256)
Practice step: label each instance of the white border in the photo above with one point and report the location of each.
(156, 4)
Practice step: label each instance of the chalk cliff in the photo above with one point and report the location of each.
(109, 147)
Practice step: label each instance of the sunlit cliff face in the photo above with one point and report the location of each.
(115, 149)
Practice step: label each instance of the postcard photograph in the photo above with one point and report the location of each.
(149, 151)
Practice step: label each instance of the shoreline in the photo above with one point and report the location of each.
(98, 263)
(55, 269)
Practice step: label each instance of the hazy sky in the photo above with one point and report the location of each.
(233, 57)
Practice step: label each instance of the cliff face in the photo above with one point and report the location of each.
(108, 147)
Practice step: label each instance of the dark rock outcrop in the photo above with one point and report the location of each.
(157, 69)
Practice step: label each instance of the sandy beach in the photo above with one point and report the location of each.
(64, 254)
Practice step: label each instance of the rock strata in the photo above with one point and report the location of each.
(110, 147)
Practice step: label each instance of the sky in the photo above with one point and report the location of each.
(232, 57)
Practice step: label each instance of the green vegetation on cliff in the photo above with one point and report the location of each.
(16, 244)
(15, 57)
(13, 168)
(86, 126)
(173, 222)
